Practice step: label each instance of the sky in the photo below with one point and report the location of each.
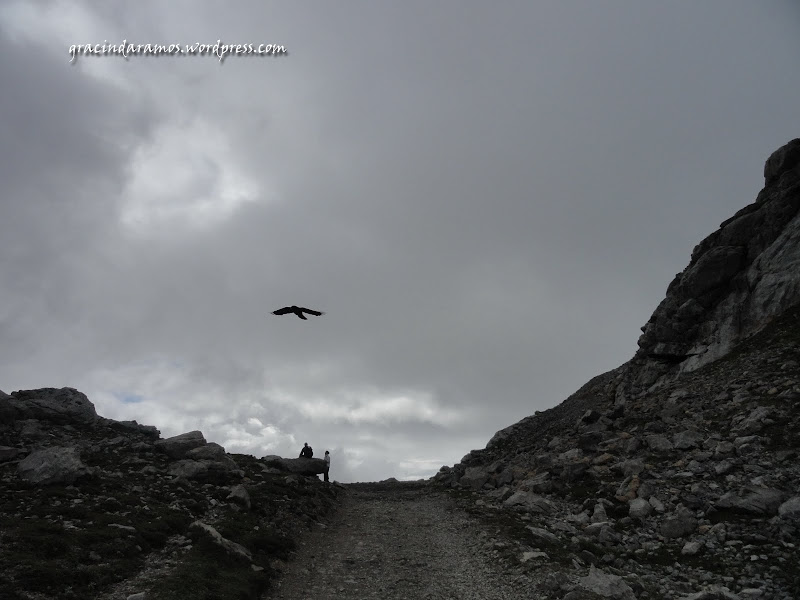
(488, 200)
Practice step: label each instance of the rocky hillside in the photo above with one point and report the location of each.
(96, 508)
(677, 473)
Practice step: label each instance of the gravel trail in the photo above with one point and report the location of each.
(397, 542)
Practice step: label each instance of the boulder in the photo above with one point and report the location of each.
(53, 465)
(752, 500)
(790, 510)
(639, 508)
(529, 501)
(658, 443)
(474, 478)
(232, 548)
(179, 445)
(65, 405)
(297, 466)
(681, 523)
(686, 440)
(240, 496)
(210, 451)
(606, 585)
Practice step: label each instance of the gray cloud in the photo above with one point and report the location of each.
(488, 202)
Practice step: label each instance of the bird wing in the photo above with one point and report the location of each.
(316, 313)
(283, 311)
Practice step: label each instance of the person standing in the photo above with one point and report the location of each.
(327, 464)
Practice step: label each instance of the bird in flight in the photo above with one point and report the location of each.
(298, 311)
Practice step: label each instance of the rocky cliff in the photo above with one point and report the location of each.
(96, 508)
(739, 278)
(676, 474)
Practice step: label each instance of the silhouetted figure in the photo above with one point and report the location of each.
(306, 452)
(298, 311)
(327, 464)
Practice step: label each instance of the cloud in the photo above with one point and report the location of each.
(487, 204)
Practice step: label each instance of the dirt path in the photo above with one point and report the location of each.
(406, 542)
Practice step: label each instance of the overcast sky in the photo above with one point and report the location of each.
(488, 200)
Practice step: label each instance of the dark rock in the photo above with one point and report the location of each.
(298, 466)
(53, 465)
(63, 405)
(178, 446)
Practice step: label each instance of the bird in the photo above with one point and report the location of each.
(298, 311)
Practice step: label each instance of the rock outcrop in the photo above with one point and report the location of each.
(676, 472)
(739, 278)
(96, 508)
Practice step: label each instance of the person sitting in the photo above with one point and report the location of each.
(306, 452)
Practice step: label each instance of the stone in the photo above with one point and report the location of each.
(179, 445)
(686, 440)
(639, 508)
(53, 465)
(692, 548)
(232, 548)
(679, 524)
(658, 443)
(298, 466)
(529, 501)
(64, 405)
(755, 421)
(632, 466)
(542, 536)
(713, 593)
(474, 478)
(606, 585)
(540, 483)
(790, 510)
(753, 500)
(240, 496)
(210, 451)
(189, 469)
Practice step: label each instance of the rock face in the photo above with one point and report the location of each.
(739, 278)
(687, 455)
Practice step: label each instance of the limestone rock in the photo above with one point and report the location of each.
(232, 548)
(240, 496)
(63, 405)
(297, 466)
(210, 451)
(530, 501)
(178, 446)
(53, 465)
(639, 508)
(739, 278)
(790, 510)
(606, 585)
(679, 524)
(474, 477)
(759, 501)
(686, 440)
